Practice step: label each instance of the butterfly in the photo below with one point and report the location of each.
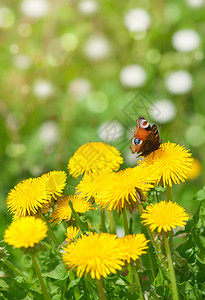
(146, 138)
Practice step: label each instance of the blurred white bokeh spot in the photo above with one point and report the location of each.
(133, 76)
(15, 149)
(195, 135)
(79, 88)
(137, 20)
(49, 132)
(35, 8)
(14, 48)
(7, 17)
(24, 29)
(165, 112)
(110, 131)
(196, 3)
(69, 41)
(153, 56)
(97, 102)
(131, 158)
(179, 82)
(120, 231)
(22, 61)
(88, 7)
(185, 40)
(97, 48)
(43, 88)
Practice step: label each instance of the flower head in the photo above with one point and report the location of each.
(27, 197)
(172, 163)
(97, 254)
(135, 245)
(125, 188)
(92, 184)
(164, 216)
(63, 211)
(56, 181)
(25, 232)
(93, 157)
(71, 233)
(196, 170)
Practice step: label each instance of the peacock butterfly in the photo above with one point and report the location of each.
(146, 138)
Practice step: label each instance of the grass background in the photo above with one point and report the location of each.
(53, 47)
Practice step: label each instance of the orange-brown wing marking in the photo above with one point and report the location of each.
(141, 133)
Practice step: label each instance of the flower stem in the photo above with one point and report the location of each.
(151, 264)
(40, 278)
(169, 193)
(137, 281)
(63, 289)
(50, 231)
(103, 228)
(76, 288)
(111, 221)
(125, 222)
(126, 228)
(15, 269)
(100, 289)
(171, 268)
(156, 244)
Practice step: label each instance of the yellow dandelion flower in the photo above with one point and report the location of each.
(72, 233)
(93, 157)
(164, 216)
(27, 197)
(63, 211)
(135, 245)
(172, 163)
(25, 232)
(97, 254)
(91, 184)
(196, 170)
(47, 206)
(56, 181)
(125, 188)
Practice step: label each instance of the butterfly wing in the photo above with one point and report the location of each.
(146, 138)
(151, 143)
(143, 129)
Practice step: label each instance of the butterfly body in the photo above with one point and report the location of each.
(146, 138)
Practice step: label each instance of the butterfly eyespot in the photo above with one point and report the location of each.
(136, 141)
(143, 123)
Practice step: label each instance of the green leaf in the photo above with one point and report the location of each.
(192, 222)
(59, 273)
(200, 242)
(82, 225)
(200, 195)
(159, 280)
(3, 285)
(73, 283)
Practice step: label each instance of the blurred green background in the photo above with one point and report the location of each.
(80, 71)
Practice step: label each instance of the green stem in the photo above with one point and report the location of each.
(111, 221)
(50, 231)
(155, 242)
(169, 193)
(40, 278)
(151, 264)
(76, 288)
(126, 228)
(15, 269)
(137, 281)
(125, 222)
(103, 228)
(100, 289)
(171, 269)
